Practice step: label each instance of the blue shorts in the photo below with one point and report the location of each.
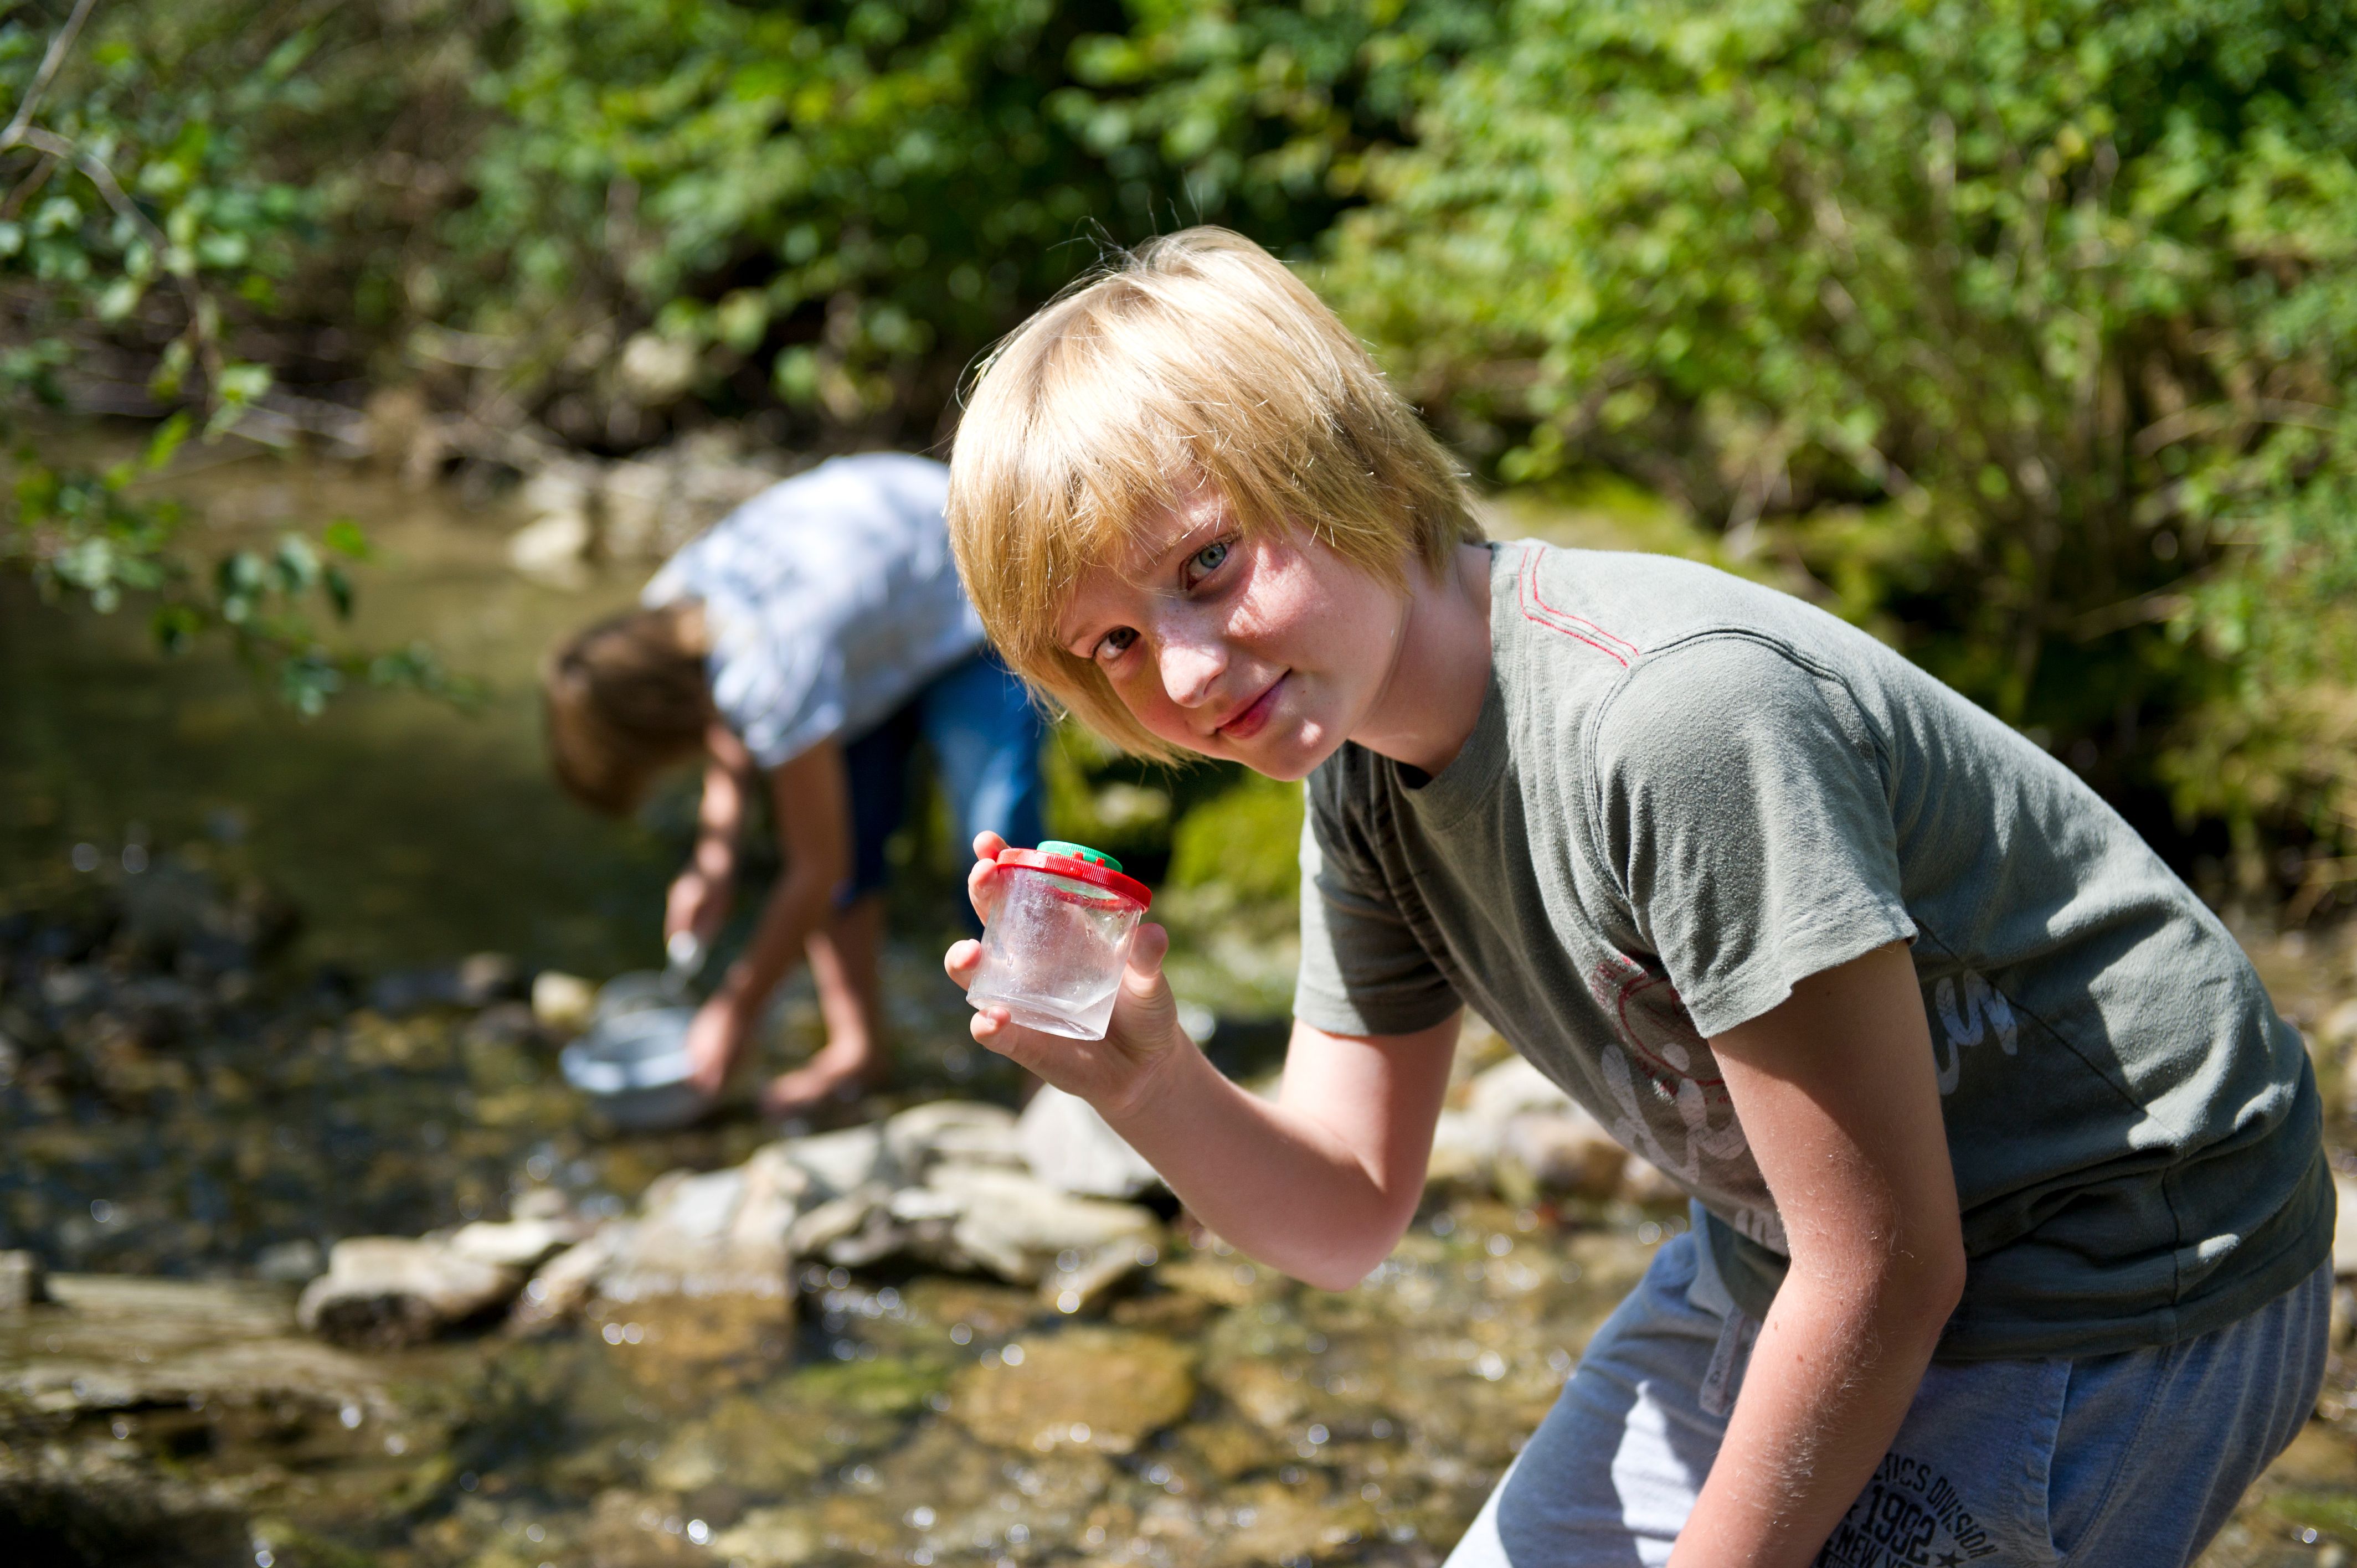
(2132, 1460)
(984, 732)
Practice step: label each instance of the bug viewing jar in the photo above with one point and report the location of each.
(1053, 952)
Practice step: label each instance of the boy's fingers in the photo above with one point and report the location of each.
(960, 959)
(986, 846)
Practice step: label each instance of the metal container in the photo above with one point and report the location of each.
(633, 1067)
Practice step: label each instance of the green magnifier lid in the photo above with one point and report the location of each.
(1079, 851)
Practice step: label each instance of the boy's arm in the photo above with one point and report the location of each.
(1320, 1183)
(812, 797)
(1834, 1087)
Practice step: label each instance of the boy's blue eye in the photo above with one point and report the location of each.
(1207, 560)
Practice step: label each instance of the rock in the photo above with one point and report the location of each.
(1068, 1147)
(1094, 1388)
(771, 1538)
(1514, 1086)
(516, 1243)
(565, 1282)
(487, 977)
(951, 1132)
(1642, 1181)
(1272, 1522)
(1083, 1281)
(655, 370)
(1558, 1153)
(2344, 1227)
(118, 1342)
(839, 1163)
(295, 1263)
(1463, 1145)
(390, 1291)
(561, 1000)
(551, 549)
(2339, 1028)
(24, 1283)
(824, 1224)
(1015, 1224)
(723, 1232)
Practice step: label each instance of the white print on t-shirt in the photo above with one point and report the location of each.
(1985, 1009)
(1670, 1104)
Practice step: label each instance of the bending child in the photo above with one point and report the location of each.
(2012, 1221)
(803, 647)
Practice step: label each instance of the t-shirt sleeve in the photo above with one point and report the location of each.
(1742, 811)
(1362, 970)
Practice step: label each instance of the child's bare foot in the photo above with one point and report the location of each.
(831, 1077)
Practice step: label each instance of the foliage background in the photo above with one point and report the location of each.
(2020, 331)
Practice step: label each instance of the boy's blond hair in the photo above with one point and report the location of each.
(626, 699)
(1199, 359)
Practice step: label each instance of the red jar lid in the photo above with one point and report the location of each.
(1080, 870)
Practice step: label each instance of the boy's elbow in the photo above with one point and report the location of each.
(1348, 1260)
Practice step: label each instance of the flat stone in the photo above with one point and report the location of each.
(389, 1291)
(1090, 1388)
(1016, 1226)
(120, 1342)
(516, 1243)
(1071, 1148)
(841, 1162)
(771, 1538)
(951, 1132)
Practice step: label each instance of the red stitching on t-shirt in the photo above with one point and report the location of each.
(1577, 627)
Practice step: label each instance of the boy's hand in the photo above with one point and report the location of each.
(1115, 1074)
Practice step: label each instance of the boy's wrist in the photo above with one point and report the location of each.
(1162, 1087)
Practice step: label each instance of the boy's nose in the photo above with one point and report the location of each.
(1190, 669)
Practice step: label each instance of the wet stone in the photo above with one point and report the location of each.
(1092, 1388)
(391, 1291)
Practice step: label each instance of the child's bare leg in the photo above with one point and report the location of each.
(843, 960)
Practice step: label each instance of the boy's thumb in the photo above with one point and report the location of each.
(1148, 949)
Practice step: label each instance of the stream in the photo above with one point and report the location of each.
(263, 987)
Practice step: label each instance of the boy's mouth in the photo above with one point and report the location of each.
(1256, 715)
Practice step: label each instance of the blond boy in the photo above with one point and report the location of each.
(2012, 1222)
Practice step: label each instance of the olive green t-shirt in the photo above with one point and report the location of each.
(1685, 792)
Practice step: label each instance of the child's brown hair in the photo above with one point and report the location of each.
(626, 699)
(1197, 360)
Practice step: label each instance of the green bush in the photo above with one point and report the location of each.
(2021, 331)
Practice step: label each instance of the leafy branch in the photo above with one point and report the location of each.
(83, 537)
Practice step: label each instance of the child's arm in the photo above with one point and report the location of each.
(810, 794)
(1320, 1183)
(1835, 1089)
(699, 897)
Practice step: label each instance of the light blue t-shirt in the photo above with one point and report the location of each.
(829, 600)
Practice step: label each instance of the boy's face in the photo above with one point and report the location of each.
(1268, 651)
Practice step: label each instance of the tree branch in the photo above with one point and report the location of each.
(56, 56)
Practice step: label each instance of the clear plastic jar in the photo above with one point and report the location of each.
(1053, 952)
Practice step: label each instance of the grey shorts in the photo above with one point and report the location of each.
(2135, 1458)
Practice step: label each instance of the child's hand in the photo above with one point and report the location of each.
(1115, 1074)
(697, 902)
